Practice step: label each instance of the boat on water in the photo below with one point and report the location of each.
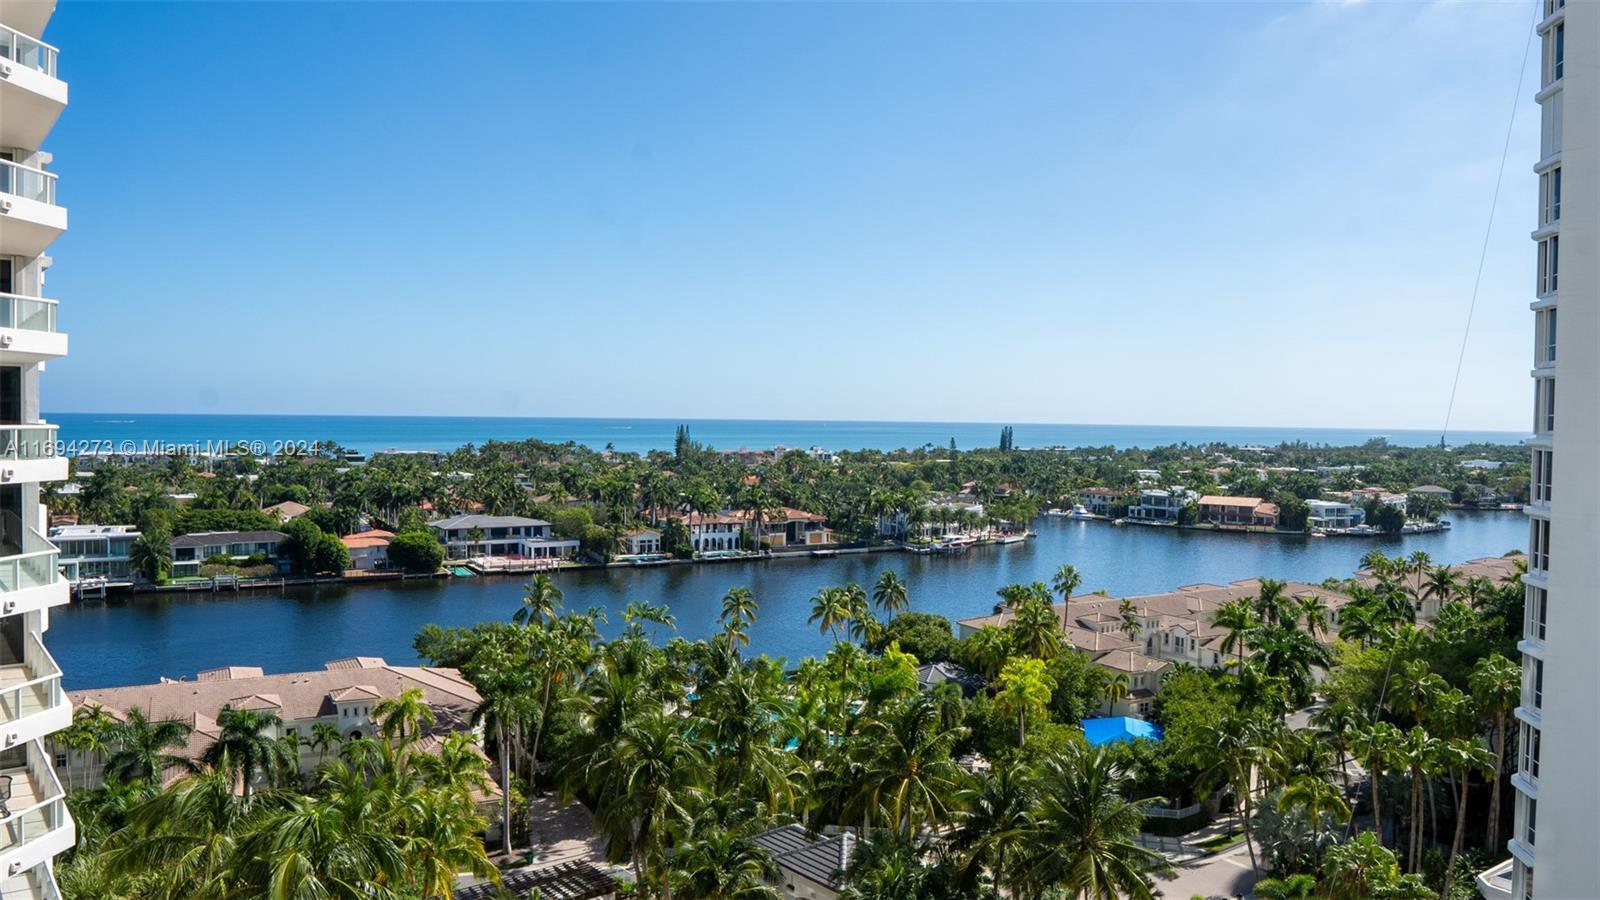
(1079, 512)
(954, 544)
(1057, 511)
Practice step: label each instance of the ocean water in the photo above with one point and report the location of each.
(122, 431)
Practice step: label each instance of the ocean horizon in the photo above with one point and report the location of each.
(117, 432)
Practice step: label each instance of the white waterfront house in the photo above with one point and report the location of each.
(1557, 783)
(190, 551)
(1334, 515)
(1159, 505)
(95, 551)
(642, 542)
(467, 536)
(34, 823)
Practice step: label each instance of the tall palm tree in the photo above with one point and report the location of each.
(738, 614)
(246, 745)
(909, 776)
(87, 734)
(1231, 752)
(1083, 834)
(1067, 580)
(1417, 752)
(1461, 757)
(1239, 618)
(1036, 631)
(992, 822)
(830, 610)
(142, 750)
(1131, 626)
(661, 768)
(402, 717)
(1497, 686)
(1377, 745)
(890, 594)
(540, 600)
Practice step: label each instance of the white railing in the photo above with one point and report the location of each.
(27, 313)
(28, 442)
(27, 51)
(27, 182)
(47, 686)
(38, 563)
(1167, 812)
(45, 815)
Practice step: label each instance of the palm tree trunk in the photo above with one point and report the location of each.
(1461, 830)
(1414, 845)
(1494, 788)
(1374, 775)
(533, 755)
(505, 786)
(1248, 843)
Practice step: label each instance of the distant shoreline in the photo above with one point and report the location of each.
(368, 433)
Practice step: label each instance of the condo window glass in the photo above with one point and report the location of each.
(1537, 600)
(1543, 471)
(1549, 264)
(1530, 750)
(1550, 197)
(1539, 546)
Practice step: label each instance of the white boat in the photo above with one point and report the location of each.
(1055, 511)
(1013, 538)
(1079, 512)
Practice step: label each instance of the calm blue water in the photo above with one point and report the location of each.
(137, 641)
(369, 433)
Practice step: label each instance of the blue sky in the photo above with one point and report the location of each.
(1251, 214)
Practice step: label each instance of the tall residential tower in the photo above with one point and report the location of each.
(1555, 843)
(34, 825)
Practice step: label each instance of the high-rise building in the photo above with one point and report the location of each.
(1555, 842)
(34, 824)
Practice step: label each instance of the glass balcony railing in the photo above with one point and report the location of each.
(28, 442)
(27, 182)
(27, 313)
(37, 806)
(27, 559)
(32, 687)
(27, 51)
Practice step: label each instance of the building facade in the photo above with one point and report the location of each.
(34, 824)
(1556, 832)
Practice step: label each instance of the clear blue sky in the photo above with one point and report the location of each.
(1247, 214)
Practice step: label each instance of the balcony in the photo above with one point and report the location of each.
(30, 570)
(37, 883)
(30, 91)
(35, 825)
(29, 216)
(1493, 884)
(32, 703)
(28, 453)
(28, 329)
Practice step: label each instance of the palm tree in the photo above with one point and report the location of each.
(502, 681)
(1441, 584)
(1314, 612)
(908, 775)
(661, 768)
(721, 864)
(150, 556)
(1036, 631)
(324, 737)
(1239, 618)
(889, 594)
(829, 610)
(1025, 690)
(1230, 752)
(1376, 744)
(1461, 757)
(87, 733)
(1497, 686)
(403, 716)
(1131, 627)
(1317, 797)
(540, 599)
(1418, 752)
(1067, 580)
(184, 837)
(992, 821)
(245, 745)
(1299, 886)
(141, 748)
(738, 613)
(1083, 834)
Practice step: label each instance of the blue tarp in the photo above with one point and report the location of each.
(1119, 728)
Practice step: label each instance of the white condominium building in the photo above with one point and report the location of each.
(1555, 842)
(34, 825)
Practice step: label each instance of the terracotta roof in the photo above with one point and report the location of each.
(1223, 500)
(377, 537)
(1130, 661)
(287, 510)
(228, 673)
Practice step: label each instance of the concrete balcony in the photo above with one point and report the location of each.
(37, 883)
(34, 825)
(30, 91)
(29, 217)
(28, 331)
(32, 703)
(1493, 884)
(30, 571)
(28, 453)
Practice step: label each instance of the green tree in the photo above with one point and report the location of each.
(246, 746)
(416, 552)
(141, 750)
(1024, 691)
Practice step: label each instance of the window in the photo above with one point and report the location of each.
(61, 760)
(1553, 53)
(1539, 545)
(1535, 615)
(1542, 479)
(1534, 688)
(1549, 264)
(1550, 197)
(1530, 751)
(1530, 821)
(1544, 405)
(1544, 351)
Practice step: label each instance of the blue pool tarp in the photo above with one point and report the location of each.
(1118, 728)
